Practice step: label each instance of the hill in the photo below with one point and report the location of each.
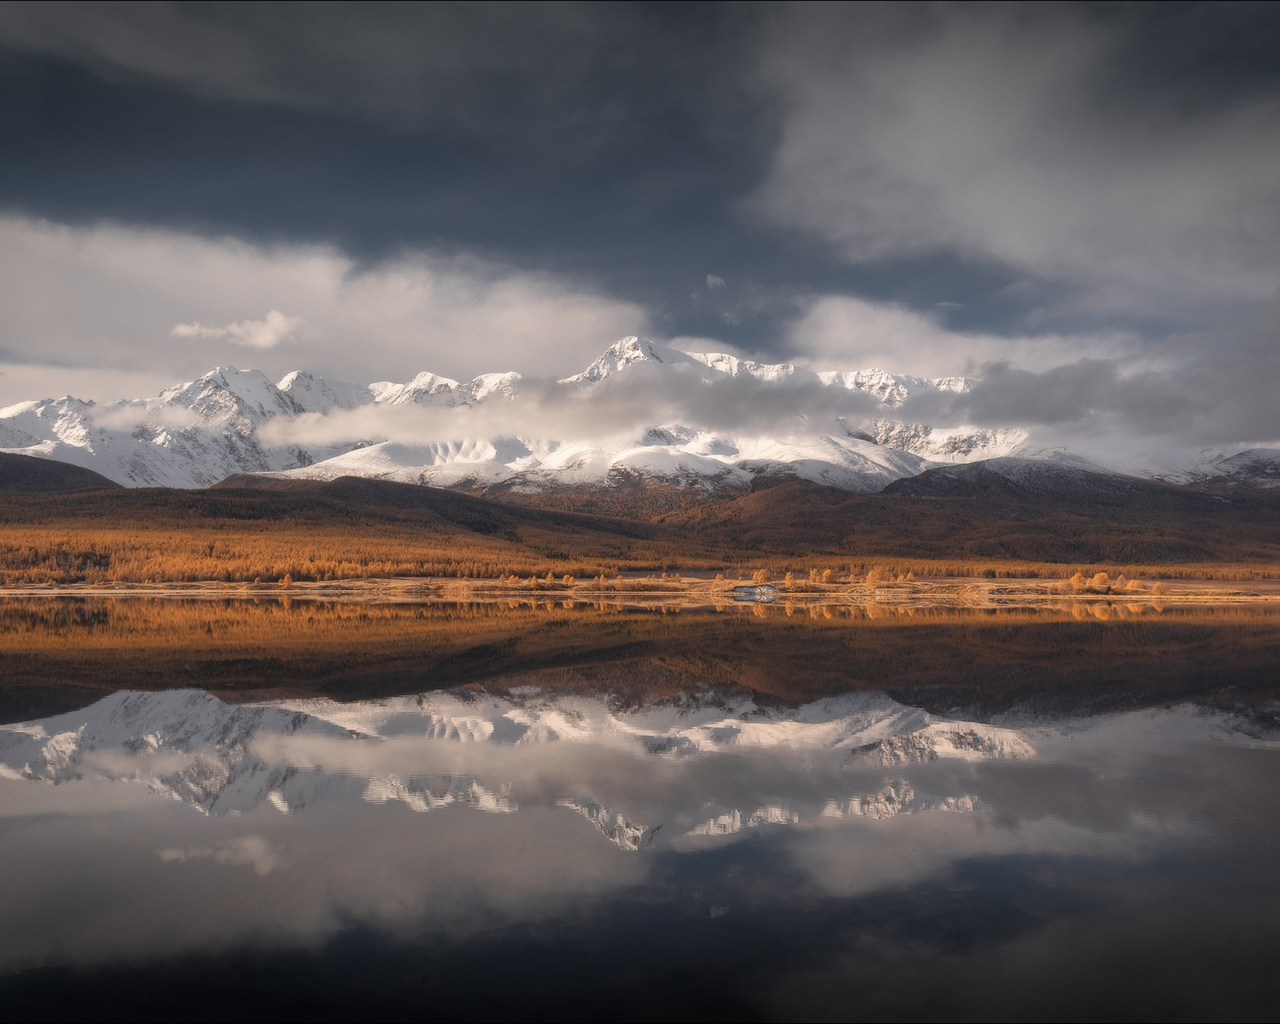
(25, 474)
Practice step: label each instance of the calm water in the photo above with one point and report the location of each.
(642, 843)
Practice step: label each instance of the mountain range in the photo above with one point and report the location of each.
(640, 412)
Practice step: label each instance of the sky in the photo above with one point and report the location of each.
(1080, 202)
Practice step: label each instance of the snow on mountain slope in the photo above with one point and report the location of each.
(225, 422)
(243, 398)
(424, 389)
(949, 444)
(732, 366)
(322, 394)
(1259, 467)
(892, 389)
(672, 454)
(69, 430)
(430, 389)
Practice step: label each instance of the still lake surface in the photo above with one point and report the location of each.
(222, 809)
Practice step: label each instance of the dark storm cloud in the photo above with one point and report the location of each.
(1048, 138)
(601, 141)
(617, 143)
(485, 69)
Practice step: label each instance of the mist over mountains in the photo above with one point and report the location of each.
(641, 412)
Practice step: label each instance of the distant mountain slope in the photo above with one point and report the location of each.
(1063, 479)
(23, 474)
(1255, 467)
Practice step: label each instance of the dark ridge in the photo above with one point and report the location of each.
(25, 474)
(478, 514)
(1025, 479)
(974, 480)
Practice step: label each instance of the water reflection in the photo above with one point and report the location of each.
(587, 808)
(62, 653)
(632, 772)
(851, 855)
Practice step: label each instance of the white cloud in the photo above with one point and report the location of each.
(715, 281)
(619, 406)
(266, 333)
(133, 414)
(842, 332)
(1007, 134)
(109, 297)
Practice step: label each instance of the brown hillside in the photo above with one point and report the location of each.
(254, 529)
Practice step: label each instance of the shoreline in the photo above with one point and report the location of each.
(683, 591)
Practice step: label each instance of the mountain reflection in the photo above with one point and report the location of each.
(150, 826)
(637, 774)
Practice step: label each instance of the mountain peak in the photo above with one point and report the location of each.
(321, 394)
(226, 393)
(626, 352)
(425, 389)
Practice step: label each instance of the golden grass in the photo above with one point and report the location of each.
(819, 537)
(240, 552)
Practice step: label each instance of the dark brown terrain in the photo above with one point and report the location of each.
(254, 528)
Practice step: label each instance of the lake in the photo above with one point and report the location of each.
(334, 809)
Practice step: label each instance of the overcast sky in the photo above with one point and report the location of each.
(1083, 200)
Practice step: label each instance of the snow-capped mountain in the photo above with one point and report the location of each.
(200, 432)
(505, 430)
(191, 435)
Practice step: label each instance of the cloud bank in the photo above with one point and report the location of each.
(110, 296)
(855, 332)
(1095, 402)
(1031, 136)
